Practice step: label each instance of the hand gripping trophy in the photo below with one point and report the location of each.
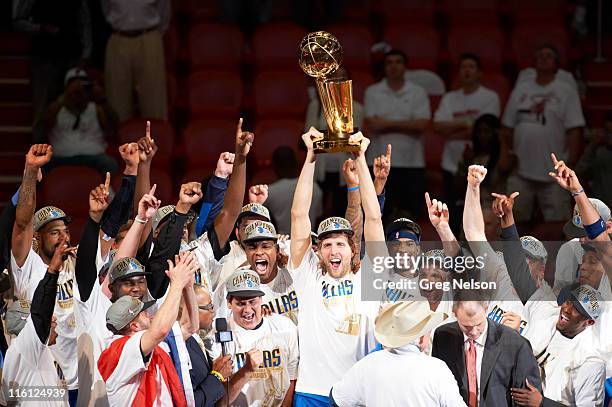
(319, 56)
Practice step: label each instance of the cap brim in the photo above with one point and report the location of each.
(67, 219)
(397, 226)
(566, 294)
(259, 239)
(323, 235)
(148, 304)
(573, 231)
(135, 274)
(249, 213)
(246, 293)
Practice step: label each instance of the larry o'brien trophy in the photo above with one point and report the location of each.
(320, 55)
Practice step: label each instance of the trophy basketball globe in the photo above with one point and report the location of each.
(320, 56)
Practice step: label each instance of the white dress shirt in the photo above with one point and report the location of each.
(479, 344)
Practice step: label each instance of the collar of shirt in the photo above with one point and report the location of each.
(481, 339)
(400, 91)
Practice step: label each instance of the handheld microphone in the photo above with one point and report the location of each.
(223, 335)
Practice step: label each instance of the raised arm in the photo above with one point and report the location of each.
(514, 255)
(146, 151)
(180, 276)
(473, 221)
(147, 207)
(43, 301)
(224, 223)
(190, 317)
(21, 239)
(353, 214)
(439, 218)
(215, 193)
(120, 208)
(302, 199)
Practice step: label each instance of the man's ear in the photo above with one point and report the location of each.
(609, 226)
(590, 322)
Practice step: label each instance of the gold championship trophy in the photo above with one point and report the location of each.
(320, 55)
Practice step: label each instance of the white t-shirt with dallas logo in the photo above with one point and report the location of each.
(540, 117)
(277, 338)
(336, 328)
(459, 106)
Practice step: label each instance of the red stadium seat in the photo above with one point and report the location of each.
(68, 188)
(162, 132)
(199, 9)
(472, 11)
(275, 45)
(356, 42)
(404, 11)
(280, 94)
(419, 42)
(361, 80)
(171, 47)
(217, 46)
(486, 42)
(551, 11)
(76, 229)
(172, 89)
(273, 133)
(204, 140)
(165, 190)
(528, 37)
(214, 94)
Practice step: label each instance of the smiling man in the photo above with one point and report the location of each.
(336, 326)
(564, 346)
(266, 347)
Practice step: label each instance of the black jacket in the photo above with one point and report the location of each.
(207, 389)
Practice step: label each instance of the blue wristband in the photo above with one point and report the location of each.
(15, 197)
(353, 188)
(595, 229)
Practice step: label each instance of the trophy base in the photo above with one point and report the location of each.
(339, 144)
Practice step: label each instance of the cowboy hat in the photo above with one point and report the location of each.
(401, 323)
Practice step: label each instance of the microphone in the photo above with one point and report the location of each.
(223, 335)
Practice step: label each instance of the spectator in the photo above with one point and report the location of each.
(397, 113)
(79, 125)
(329, 165)
(61, 39)
(596, 162)
(281, 191)
(456, 116)
(135, 56)
(483, 150)
(541, 116)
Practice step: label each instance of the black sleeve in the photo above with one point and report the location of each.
(7, 219)
(218, 251)
(43, 303)
(516, 263)
(142, 255)
(550, 403)
(85, 270)
(166, 246)
(118, 211)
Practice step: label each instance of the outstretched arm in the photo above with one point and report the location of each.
(21, 239)
(473, 221)
(353, 214)
(215, 193)
(302, 199)
(224, 224)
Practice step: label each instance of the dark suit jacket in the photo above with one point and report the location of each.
(506, 362)
(207, 389)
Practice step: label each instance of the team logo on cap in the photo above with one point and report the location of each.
(334, 224)
(257, 209)
(260, 230)
(46, 215)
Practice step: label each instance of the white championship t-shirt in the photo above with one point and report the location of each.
(28, 365)
(408, 103)
(279, 297)
(336, 328)
(26, 279)
(457, 106)
(540, 117)
(210, 269)
(277, 338)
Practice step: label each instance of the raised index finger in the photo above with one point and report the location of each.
(239, 128)
(554, 159)
(148, 131)
(388, 152)
(107, 183)
(427, 199)
(152, 191)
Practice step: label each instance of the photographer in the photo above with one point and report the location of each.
(79, 124)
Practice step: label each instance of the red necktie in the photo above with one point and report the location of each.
(470, 363)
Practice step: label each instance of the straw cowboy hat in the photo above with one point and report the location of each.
(401, 323)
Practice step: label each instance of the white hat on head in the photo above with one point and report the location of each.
(403, 322)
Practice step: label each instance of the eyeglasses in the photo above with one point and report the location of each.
(208, 307)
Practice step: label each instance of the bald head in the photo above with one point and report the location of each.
(206, 316)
